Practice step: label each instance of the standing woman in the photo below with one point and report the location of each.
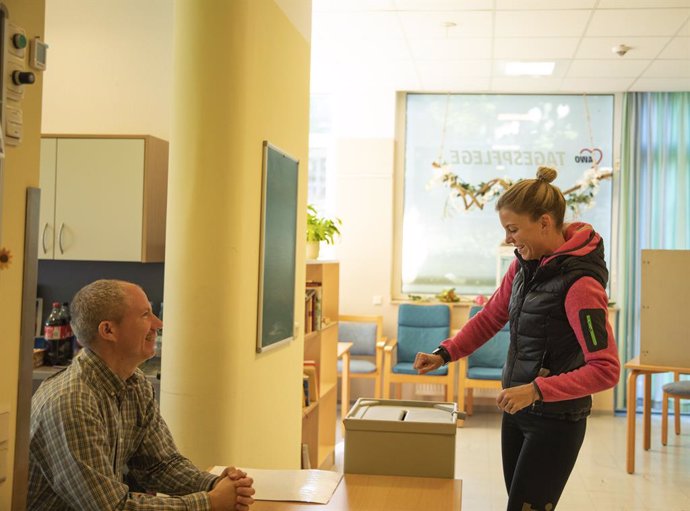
(562, 348)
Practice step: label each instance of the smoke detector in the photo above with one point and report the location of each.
(621, 49)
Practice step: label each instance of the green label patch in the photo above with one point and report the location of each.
(593, 323)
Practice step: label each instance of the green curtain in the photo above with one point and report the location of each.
(654, 203)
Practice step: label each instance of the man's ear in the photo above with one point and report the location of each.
(106, 331)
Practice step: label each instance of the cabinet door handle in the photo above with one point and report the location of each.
(62, 226)
(43, 239)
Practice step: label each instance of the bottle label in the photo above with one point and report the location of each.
(57, 332)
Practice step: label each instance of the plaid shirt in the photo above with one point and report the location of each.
(88, 427)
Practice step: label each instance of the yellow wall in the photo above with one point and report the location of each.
(241, 76)
(21, 171)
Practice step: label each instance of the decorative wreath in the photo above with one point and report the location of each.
(578, 197)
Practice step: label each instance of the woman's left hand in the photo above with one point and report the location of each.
(514, 399)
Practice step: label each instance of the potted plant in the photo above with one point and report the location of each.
(319, 229)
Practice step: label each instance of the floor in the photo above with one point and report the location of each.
(599, 480)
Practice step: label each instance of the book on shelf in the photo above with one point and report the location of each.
(311, 370)
(317, 309)
(309, 310)
(306, 464)
(306, 401)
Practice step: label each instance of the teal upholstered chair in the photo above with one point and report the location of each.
(483, 368)
(365, 334)
(420, 329)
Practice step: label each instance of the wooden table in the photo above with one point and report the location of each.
(358, 492)
(344, 353)
(636, 369)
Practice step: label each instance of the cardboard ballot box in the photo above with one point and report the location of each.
(404, 438)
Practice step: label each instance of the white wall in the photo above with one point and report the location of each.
(109, 67)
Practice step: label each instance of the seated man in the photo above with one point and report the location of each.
(97, 420)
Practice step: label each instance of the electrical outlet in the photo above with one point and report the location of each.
(377, 300)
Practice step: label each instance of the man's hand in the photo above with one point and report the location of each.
(514, 399)
(425, 362)
(232, 491)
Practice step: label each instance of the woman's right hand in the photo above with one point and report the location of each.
(425, 362)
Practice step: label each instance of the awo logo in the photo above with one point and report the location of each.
(593, 156)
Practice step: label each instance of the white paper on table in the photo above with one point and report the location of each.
(291, 485)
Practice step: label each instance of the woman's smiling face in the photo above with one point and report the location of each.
(528, 236)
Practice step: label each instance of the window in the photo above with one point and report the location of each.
(481, 137)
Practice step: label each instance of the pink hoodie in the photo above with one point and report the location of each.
(601, 369)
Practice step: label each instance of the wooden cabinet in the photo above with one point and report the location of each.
(319, 418)
(103, 198)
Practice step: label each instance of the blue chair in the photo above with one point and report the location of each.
(365, 332)
(420, 329)
(483, 368)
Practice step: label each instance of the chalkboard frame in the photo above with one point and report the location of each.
(277, 266)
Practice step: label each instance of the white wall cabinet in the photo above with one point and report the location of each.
(103, 198)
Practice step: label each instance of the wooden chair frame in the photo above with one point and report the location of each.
(390, 377)
(380, 344)
(676, 411)
(467, 385)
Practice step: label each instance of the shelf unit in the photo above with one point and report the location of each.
(319, 418)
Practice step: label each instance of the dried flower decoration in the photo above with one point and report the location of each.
(5, 258)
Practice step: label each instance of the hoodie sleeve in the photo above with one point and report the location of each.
(484, 325)
(587, 311)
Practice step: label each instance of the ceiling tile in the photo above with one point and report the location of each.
(454, 69)
(500, 66)
(543, 23)
(668, 69)
(601, 47)
(535, 48)
(685, 31)
(444, 5)
(525, 84)
(430, 25)
(596, 84)
(455, 84)
(631, 4)
(350, 26)
(451, 49)
(606, 68)
(637, 22)
(531, 5)
(662, 84)
(678, 48)
(352, 5)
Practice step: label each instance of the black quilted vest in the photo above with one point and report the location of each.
(540, 334)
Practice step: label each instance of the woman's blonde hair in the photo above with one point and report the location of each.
(535, 197)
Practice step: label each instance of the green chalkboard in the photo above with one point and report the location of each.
(276, 316)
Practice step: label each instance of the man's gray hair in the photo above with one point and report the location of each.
(102, 300)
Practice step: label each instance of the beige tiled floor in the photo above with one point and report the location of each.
(599, 480)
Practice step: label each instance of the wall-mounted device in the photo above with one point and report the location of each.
(15, 76)
(38, 54)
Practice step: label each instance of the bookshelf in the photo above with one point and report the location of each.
(320, 346)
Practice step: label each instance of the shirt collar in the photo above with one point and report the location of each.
(93, 366)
